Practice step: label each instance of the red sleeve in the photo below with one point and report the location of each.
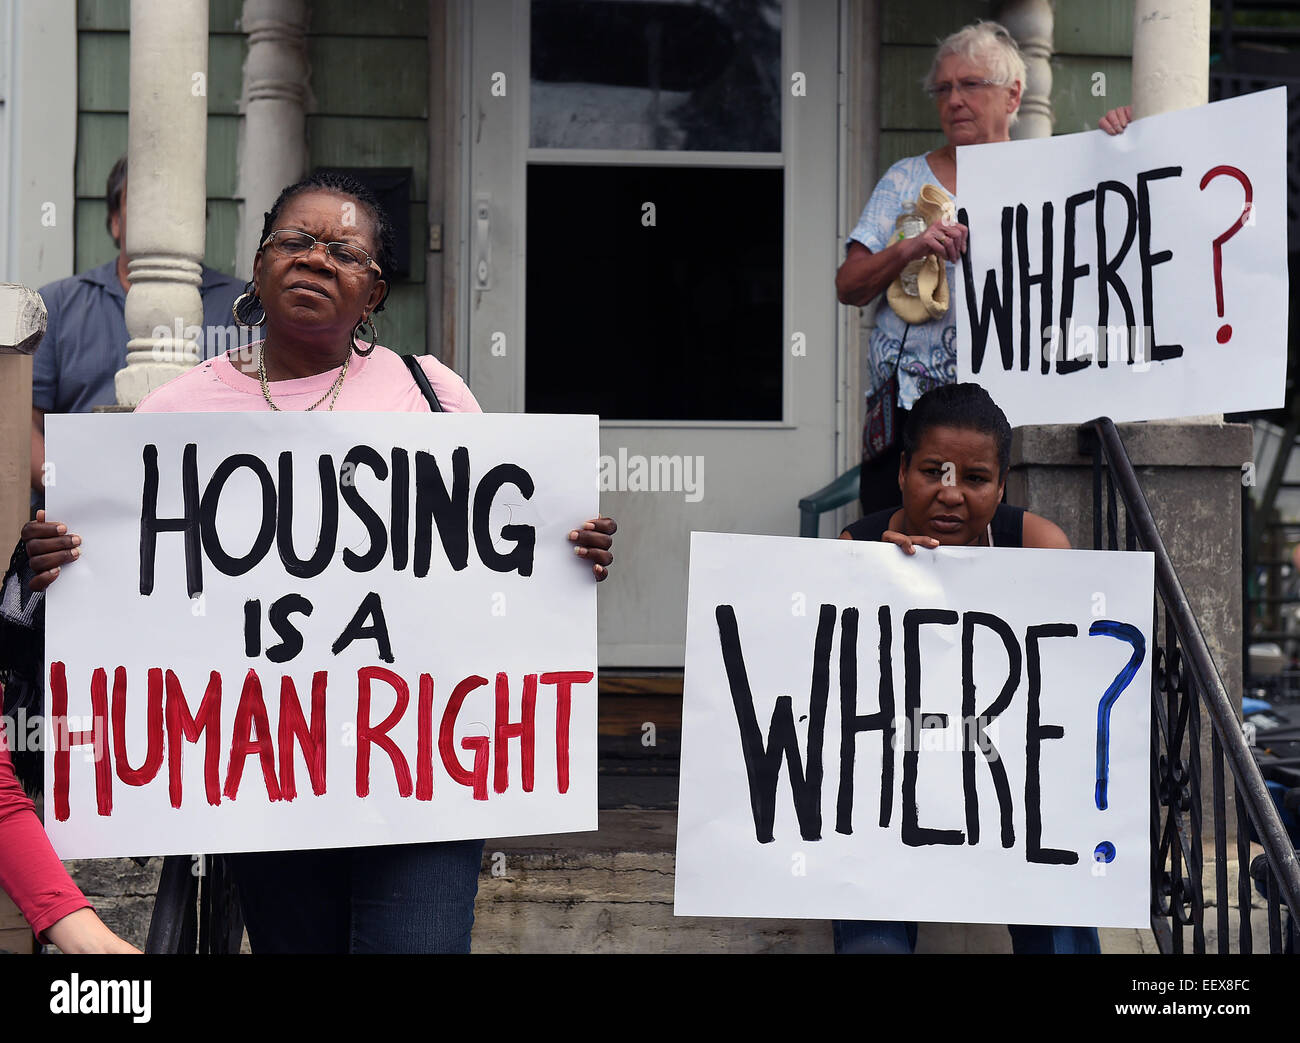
(30, 872)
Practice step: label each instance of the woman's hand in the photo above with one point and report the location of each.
(908, 543)
(595, 542)
(84, 932)
(1116, 120)
(49, 547)
(944, 240)
(864, 275)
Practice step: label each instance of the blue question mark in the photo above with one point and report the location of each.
(1105, 851)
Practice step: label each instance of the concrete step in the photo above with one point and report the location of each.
(612, 891)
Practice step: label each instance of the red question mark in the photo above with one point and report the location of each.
(1225, 331)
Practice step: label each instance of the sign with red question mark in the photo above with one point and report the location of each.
(1225, 331)
(1138, 276)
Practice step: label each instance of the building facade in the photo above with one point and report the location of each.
(655, 192)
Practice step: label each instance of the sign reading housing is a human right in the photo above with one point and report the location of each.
(302, 630)
(1136, 276)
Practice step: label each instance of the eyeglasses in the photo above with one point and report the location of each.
(943, 91)
(293, 243)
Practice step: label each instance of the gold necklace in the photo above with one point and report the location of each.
(334, 390)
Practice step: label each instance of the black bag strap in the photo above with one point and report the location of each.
(898, 362)
(22, 647)
(422, 382)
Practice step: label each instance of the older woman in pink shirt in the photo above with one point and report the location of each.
(320, 353)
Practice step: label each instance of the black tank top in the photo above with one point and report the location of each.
(1008, 526)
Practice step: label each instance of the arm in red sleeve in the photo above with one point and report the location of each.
(30, 872)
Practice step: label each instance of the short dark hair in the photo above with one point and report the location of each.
(966, 406)
(344, 185)
(113, 195)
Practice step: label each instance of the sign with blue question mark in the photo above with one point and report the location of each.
(959, 735)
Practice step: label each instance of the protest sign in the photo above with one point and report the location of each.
(1136, 276)
(300, 631)
(962, 735)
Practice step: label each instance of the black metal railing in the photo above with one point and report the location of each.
(1186, 690)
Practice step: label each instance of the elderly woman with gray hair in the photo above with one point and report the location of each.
(907, 241)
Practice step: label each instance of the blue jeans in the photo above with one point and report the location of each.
(895, 936)
(402, 898)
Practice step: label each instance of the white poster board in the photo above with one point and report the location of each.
(967, 789)
(1136, 276)
(319, 630)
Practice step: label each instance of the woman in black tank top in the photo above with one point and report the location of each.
(956, 451)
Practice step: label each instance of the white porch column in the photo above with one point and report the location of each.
(1031, 23)
(166, 191)
(1171, 55)
(274, 152)
(1171, 69)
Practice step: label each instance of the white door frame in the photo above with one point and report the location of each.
(788, 457)
(38, 128)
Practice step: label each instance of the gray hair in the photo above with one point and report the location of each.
(990, 45)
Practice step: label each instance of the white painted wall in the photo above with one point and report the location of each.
(38, 138)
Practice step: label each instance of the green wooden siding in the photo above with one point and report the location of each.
(926, 21)
(342, 141)
(103, 71)
(1076, 106)
(903, 101)
(401, 323)
(101, 138)
(370, 79)
(1087, 27)
(1090, 37)
(370, 89)
(103, 93)
(345, 83)
(404, 18)
(223, 15)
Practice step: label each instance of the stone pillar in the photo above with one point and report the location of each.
(1171, 70)
(274, 152)
(1030, 22)
(167, 151)
(1171, 55)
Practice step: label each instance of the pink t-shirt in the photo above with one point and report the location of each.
(380, 383)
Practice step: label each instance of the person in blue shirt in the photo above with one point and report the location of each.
(85, 338)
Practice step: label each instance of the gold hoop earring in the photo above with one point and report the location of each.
(358, 333)
(239, 303)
